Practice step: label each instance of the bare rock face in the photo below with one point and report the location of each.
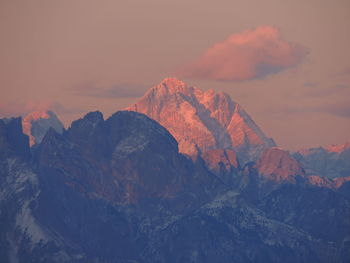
(12, 139)
(220, 159)
(332, 183)
(278, 165)
(37, 123)
(224, 164)
(201, 121)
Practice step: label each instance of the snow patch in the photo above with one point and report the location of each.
(27, 223)
(130, 145)
(221, 200)
(20, 177)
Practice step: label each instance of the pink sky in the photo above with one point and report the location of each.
(254, 53)
(82, 55)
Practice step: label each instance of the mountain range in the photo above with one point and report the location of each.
(331, 161)
(181, 176)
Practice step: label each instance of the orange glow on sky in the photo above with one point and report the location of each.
(83, 55)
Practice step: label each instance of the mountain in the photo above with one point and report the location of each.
(330, 162)
(119, 190)
(278, 165)
(94, 192)
(37, 123)
(125, 159)
(202, 121)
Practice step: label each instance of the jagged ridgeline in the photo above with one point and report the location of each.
(127, 189)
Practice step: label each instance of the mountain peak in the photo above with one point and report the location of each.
(173, 83)
(39, 114)
(170, 86)
(37, 123)
(338, 148)
(202, 120)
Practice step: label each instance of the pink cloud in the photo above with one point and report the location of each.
(251, 54)
(91, 89)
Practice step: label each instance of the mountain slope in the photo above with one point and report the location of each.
(202, 121)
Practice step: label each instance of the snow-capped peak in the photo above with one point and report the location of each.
(173, 83)
(202, 120)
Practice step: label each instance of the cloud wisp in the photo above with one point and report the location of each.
(114, 91)
(337, 109)
(340, 109)
(314, 90)
(21, 109)
(252, 54)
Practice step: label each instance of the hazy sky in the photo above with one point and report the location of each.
(286, 62)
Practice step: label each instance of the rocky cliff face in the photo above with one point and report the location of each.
(37, 123)
(12, 140)
(224, 164)
(118, 190)
(202, 121)
(278, 165)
